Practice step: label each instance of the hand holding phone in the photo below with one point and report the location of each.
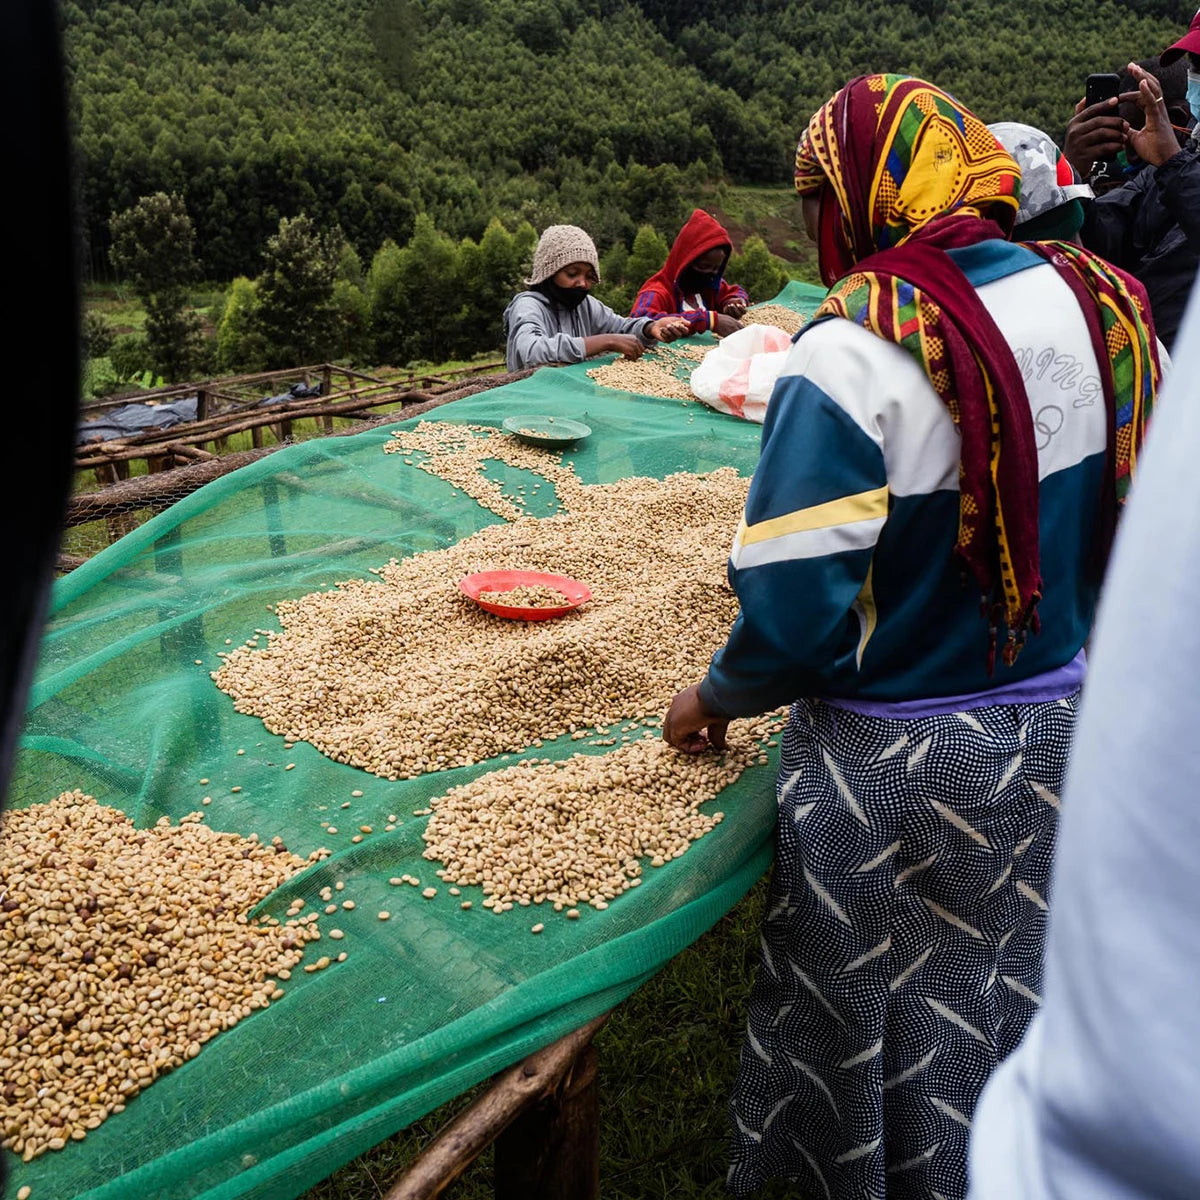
(1096, 133)
(1101, 87)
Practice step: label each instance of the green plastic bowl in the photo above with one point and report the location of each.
(551, 432)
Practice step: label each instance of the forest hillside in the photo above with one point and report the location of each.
(368, 112)
(390, 126)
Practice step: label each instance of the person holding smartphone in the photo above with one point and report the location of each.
(1150, 226)
(1173, 78)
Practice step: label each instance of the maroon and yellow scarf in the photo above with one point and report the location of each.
(905, 174)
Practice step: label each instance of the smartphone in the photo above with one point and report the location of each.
(1101, 87)
(1098, 88)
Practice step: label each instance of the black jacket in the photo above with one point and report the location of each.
(1150, 227)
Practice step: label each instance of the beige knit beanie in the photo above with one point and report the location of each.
(558, 247)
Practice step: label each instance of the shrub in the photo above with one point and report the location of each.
(96, 336)
(757, 270)
(129, 355)
(241, 345)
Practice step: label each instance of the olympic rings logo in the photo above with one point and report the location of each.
(1046, 426)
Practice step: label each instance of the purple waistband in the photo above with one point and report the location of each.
(1037, 689)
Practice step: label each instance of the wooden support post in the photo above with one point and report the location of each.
(552, 1150)
(256, 437)
(202, 404)
(118, 526)
(68, 562)
(563, 1075)
(276, 538)
(106, 474)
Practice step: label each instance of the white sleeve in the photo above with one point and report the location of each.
(1102, 1099)
(1164, 359)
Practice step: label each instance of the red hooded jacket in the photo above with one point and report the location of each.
(660, 295)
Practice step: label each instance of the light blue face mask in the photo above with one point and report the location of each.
(1193, 93)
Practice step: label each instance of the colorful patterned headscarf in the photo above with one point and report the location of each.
(905, 174)
(896, 153)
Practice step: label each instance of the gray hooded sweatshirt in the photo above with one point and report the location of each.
(539, 332)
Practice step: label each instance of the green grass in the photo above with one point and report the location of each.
(751, 204)
(774, 214)
(117, 304)
(120, 307)
(667, 1059)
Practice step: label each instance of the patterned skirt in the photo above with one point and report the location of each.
(902, 946)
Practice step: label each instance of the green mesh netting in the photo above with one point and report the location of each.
(426, 1006)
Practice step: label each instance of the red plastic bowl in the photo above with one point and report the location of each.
(504, 581)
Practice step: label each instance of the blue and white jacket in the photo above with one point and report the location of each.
(843, 562)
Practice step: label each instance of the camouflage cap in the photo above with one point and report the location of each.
(1047, 178)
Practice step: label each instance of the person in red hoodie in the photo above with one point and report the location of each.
(690, 284)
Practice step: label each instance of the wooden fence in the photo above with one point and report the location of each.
(186, 456)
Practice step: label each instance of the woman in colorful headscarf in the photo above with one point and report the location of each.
(942, 462)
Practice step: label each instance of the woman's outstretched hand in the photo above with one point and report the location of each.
(687, 722)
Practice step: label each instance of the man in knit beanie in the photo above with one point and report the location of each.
(558, 321)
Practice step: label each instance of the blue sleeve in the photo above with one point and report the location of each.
(802, 553)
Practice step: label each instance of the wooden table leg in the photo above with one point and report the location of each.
(552, 1150)
(563, 1077)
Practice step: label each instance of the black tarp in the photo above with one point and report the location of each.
(134, 418)
(298, 391)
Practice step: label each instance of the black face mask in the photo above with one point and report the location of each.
(691, 280)
(569, 297)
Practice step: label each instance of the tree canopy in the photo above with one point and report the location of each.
(605, 113)
(370, 177)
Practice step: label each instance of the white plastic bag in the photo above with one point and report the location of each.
(738, 374)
